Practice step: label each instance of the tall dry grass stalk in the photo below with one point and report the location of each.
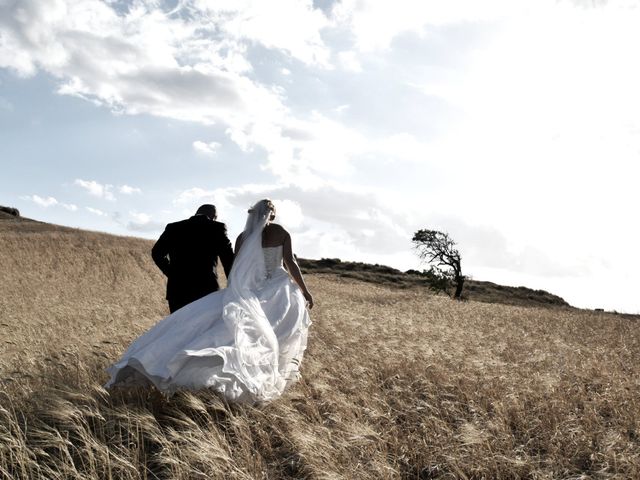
(396, 383)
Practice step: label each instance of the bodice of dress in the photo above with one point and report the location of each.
(272, 259)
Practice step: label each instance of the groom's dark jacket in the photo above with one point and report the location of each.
(187, 253)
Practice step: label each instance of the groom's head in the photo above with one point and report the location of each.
(208, 210)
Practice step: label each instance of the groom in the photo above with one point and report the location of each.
(187, 253)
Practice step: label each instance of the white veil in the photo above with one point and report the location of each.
(254, 356)
(248, 266)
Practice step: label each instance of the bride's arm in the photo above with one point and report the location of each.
(294, 269)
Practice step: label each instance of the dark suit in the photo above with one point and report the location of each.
(187, 253)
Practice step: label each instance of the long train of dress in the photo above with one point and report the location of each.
(216, 342)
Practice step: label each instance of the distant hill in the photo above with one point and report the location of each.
(474, 289)
(17, 223)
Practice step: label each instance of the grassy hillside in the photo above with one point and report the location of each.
(397, 383)
(473, 290)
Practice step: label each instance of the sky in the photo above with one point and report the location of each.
(512, 125)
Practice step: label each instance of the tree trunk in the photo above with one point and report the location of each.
(459, 284)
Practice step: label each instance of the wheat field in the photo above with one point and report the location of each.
(396, 383)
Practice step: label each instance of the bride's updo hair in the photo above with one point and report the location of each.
(264, 209)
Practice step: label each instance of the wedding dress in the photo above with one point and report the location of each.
(245, 342)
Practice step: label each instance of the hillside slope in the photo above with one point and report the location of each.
(473, 289)
(396, 383)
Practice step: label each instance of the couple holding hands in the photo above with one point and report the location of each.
(245, 341)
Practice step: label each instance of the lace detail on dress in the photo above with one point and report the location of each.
(272, 259)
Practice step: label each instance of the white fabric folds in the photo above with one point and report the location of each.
(246, 341)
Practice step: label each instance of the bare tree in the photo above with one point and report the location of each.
(438, 250)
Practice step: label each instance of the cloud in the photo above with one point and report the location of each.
(366, 223)
(486, 246)
(319, 148)
(105, 191)
(142, 222)
(195, 194)
(128, 190)
(42, 201)
(97, 212)
(47, 202)
(206, 148)
(375, 24)
(187, 64)
(342, 108)
(547, 149)
(289, 213)
(349, 61)
(96, 189)
(303, 151)
(192, 64)
(353, 210)
(291, 26)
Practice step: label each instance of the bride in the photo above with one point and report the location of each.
(246, 341)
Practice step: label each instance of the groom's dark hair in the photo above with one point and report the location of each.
(208, 210)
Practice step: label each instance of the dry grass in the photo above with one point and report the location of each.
(396, 383)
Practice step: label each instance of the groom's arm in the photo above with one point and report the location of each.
(226, 251)
(160, 252)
